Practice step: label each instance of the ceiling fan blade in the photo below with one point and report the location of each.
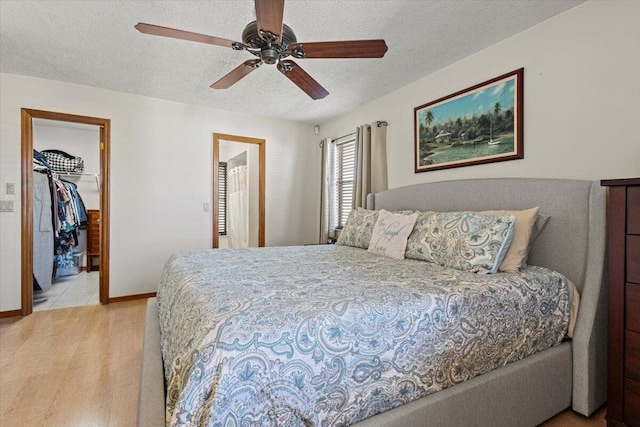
(342, 49)
(236, 74)
(269, 17)
(301, 79)
(157, 30)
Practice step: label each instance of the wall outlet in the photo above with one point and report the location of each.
(6, 206)
(205, 207)
(11, 188)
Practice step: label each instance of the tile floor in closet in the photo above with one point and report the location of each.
(70, 291)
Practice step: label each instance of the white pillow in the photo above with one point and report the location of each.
(389, 237)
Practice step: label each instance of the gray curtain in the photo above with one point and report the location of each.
(371, 162)
(326, 176)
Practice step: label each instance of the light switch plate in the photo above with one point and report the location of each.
(11, 188)
(205, 207)
(6, 205)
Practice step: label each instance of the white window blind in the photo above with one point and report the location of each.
(222, 198)
(345, 167)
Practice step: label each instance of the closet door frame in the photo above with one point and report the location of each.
(27, 199)
(217, 137)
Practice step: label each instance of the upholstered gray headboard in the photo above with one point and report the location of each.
(572, 243)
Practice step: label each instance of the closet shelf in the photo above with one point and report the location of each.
(94, 175)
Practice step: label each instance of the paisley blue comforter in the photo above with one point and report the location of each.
(330, 335)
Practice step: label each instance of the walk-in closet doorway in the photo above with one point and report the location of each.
(93, 255)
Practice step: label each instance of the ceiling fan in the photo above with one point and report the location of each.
(271, 42)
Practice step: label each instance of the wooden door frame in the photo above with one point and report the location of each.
(27, 198)
(217, 137)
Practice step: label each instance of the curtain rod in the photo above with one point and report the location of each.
(335, 140)
(378, 123)
(344, 136)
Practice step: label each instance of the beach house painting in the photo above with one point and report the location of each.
(480, 124)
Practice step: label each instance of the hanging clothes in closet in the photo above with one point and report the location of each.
(64, 206)
(71, 216)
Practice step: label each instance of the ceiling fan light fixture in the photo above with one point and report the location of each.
(270, 55)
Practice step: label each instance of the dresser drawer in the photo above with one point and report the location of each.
(633, 210)
(632, 355)
(633, 259)
(632, 307)
(632, 403)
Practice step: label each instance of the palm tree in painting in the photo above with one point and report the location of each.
(496, 112)
(428, 118)
(424, 127)
(497, 108)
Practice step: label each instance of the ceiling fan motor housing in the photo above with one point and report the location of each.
(269, 52)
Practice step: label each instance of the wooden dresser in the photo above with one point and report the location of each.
(623, 231)
(93, 238)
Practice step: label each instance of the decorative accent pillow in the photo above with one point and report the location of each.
(461, 240)
(389, 237)
(525, 220)
(357, 230)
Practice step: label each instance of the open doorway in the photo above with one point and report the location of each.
(238, 191)
(67, 205)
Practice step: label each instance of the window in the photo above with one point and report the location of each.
(222, 198)
(345, 167)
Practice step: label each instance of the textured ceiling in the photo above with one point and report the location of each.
(94, 43)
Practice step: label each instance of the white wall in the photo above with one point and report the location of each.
(161, 173)
(581, 99)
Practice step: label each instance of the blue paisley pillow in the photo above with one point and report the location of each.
(461, 240)
(357, 231)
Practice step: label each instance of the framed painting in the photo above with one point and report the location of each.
(480, 124)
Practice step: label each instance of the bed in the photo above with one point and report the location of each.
(526, 391)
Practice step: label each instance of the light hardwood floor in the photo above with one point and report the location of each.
(80, 366)
(75, 366)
